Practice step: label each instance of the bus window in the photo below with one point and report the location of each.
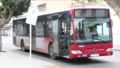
(19, 27)
(14, 27)
(92, 29)
(27, 29)
(40, 27)
(49, 27)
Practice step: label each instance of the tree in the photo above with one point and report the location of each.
(9, 9)
(115, 5)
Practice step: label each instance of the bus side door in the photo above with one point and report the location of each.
(56, 48)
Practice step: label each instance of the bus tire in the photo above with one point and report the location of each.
(23, 46)
(51, 52)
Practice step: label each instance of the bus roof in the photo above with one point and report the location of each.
(51, 12)
(43, 13)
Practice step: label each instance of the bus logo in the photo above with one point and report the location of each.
(94, 50)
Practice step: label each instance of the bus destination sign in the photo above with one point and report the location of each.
(85, 13)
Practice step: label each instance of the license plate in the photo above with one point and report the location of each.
(94, 55)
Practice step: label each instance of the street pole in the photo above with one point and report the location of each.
(31, 20)
(30, 52)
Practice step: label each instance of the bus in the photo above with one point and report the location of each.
(69, 33)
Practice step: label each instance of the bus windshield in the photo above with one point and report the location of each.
(92, 30)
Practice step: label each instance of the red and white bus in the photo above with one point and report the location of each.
(70, 33)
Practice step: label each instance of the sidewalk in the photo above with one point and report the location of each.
(10, 59)
(116, 48)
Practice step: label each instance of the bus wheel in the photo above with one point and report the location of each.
(51, 52)
(22, 46)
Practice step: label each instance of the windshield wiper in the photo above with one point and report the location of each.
(101, 40)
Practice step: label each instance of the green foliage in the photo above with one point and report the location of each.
(1, 9)
(118, 16)
(18, 7)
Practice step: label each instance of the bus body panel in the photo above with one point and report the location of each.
(42, 44)
(89, 49)
(19, 39)
(18, 43)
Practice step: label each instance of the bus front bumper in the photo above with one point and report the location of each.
(85, 55)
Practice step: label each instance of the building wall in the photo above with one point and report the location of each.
(52, 4)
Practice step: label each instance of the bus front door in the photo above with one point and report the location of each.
(56, 48)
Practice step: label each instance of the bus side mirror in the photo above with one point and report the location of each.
(112, 22)
(68, 22)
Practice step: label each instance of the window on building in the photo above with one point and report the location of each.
(42, 7)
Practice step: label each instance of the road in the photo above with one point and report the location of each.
(94, 62)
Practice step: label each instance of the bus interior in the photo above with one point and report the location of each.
(64, 34)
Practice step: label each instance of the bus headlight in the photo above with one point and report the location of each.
(76, 52)
(109, 49)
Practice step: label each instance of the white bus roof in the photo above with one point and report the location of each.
(53, 11)
(43, 13)
(57, 10)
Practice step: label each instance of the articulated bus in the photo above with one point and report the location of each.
(70, 33)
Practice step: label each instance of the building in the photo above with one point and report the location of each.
(44, 5)
(6, 30)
